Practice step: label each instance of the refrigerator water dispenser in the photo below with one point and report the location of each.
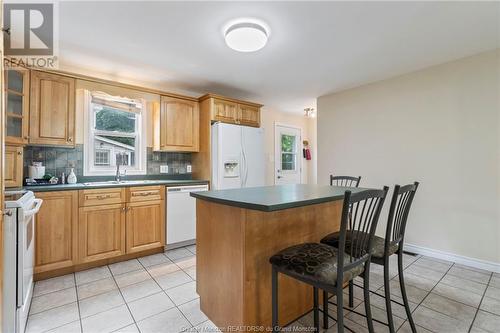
(231, 169)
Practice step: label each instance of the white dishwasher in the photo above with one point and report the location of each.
(181, 215)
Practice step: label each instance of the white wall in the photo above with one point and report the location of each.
(439, 126)
(308, 125)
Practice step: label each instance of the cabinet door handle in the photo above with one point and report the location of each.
(99, 197)
(143, 194)
(70, 139)
(19, 153)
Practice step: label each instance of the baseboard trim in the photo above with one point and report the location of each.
(476, 263)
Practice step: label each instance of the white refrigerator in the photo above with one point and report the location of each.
(237, 156)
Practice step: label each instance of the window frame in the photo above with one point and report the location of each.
(294, 153)
(103, 150)
(140, 135)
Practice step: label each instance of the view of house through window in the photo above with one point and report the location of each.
(114, 135)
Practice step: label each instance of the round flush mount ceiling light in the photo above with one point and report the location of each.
(246, 34)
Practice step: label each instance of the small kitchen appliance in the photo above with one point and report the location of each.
(36, 170)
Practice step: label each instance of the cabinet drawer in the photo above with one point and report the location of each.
(103, 196)
(145, 193)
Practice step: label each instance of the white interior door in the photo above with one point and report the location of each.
(288, 155)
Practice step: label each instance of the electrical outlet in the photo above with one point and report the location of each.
(163, 168)
(188, 168)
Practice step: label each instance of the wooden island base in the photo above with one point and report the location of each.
(233, 249)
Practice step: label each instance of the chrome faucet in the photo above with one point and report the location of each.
(119, 162)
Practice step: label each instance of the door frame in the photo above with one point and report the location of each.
(299, 153)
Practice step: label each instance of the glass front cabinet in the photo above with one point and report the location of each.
(16, 106)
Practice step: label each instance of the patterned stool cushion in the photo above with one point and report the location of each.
(378, 244)
(313, 261)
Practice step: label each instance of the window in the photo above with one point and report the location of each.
(114, 135)
(288, 152)
(101, 157)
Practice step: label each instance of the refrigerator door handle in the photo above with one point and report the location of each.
(243, 143)
(243, 160)
(246, 170)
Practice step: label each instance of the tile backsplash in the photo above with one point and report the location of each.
(56, 160)
(59, 160)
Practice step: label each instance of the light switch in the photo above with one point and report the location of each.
(163, 168)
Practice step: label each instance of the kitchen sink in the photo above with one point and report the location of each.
(121, 182)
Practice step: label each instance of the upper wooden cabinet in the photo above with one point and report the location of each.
(249, 115)
(176, 125)
(13, 171)
(225, 111)
(231, 111)
(16, 106)
(56, 234)
(52, 111)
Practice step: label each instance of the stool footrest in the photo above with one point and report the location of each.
(358, 313)
(380, 295)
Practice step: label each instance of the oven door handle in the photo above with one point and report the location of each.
(38, 203)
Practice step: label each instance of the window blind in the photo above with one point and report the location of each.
(117, 102)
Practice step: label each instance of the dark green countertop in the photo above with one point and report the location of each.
(272, 198)
(83, 186)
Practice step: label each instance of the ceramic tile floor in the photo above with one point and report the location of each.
(157, 294)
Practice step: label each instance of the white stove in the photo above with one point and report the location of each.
(19, 258)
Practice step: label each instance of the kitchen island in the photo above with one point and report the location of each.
(238, 230)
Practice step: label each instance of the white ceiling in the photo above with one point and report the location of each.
(314, 48)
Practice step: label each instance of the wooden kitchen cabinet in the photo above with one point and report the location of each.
(249, 115)
(56, 231)
(13, 171)
(101, 233)
(145, 225)
(52, 110)
(77, 230)
(16, 106)
(145, 218)
(101, 196)
(231, 111)
(119, 221)
(176, 125)
(225, 111)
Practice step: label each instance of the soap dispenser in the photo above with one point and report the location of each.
(72, 177)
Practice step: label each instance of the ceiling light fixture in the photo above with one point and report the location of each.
(309, 113)
(246, 34)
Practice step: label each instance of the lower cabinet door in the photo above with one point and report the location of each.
(101, 232)
(145, 225)
(56, 234)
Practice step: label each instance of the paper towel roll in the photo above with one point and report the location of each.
(36, 172)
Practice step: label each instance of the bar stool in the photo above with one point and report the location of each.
(347, 181)
(328, 268)
(402, 199)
